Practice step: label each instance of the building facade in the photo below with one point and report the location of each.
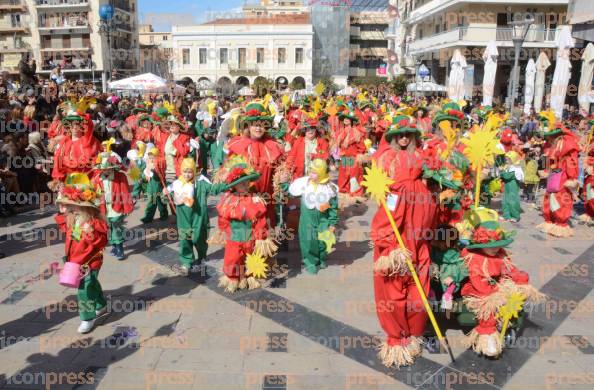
(65, 33)
(433, 29)
(156, 51)
(235, 52)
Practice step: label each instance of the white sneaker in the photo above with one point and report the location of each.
(491, 347)
(100, 312)
(195, 269)
(184, 270)
(86, 326)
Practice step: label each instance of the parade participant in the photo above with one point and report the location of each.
(511, 175)
(242, 219)
(190, 195)
(210, 150)
(137, 156)
(77, 149)
(447, 265)
(507, 137)
(307, 148)
(349, 140)
(153, 177)
(144, 129)
(319, 213)
(138, 111)
(173, 143)
(260, 151)
(448, 192)
(588, 186)
(561, 151)
(111, 185)
(492, 278)
(86, 236)
(414, 211)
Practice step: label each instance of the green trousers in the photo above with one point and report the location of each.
(186, 251)
(155, 202)
(313, 251)
(90, 296)
(116, 230)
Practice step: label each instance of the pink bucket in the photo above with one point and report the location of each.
(554, 182)
(72, 274)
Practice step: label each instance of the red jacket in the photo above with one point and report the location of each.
(181, 145)
(90, 246)
(243, 208)
(296, 157)
(121, 199)
(76, 156)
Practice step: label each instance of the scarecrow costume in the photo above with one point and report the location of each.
(173, 147)
(349, 142)
(112, 188)
(85, 242)
(561, 151)
(242, 222)
(144, 129)
(191, 200)
(491, 281)
(413, 208)
(263, 155)
(588, 187)
(319, 214)
(153, 177)
(304, 151)
(136, 157)
(511, 177)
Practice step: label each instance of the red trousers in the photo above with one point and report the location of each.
(562, 215)
(399, 306)
(344, 179)
(234, 261)
(488, 326)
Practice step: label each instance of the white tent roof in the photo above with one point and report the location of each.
(425, 87)
(146, 82)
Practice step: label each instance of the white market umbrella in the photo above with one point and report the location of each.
(529, 89)
(542, 64)
(562, 71)
(146, 83)
(490, 57)
(585, 87)
(245, 91)
(427, 86)
(456, 81)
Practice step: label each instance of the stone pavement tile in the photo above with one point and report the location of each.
(201, 361)
(224, 381)
(289, 363)
(127, 355)
(131, 379)
(41, 298)
(550, 372)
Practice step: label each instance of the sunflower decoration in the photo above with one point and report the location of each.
(512, 308)
(329, 239)
(170, 107)
(134, 174)
(256, 265)
(377, 183)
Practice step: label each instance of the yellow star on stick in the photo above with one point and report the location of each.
(319, 88)
(328, 238)
(377, 184)
(481, 147)
(511, 309)
(134, 174)
(256, 265)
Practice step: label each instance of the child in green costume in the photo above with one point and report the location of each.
(153, 177)
(511, 176)
(319, 215)
(449, 266)
(137, 161)
(190, 195)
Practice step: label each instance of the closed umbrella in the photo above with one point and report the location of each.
(456, 81)
(529, 89)
(490, 58)
(585, 87)
(562, 71)
(542, 64)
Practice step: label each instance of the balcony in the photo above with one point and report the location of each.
(13, 27)
(63, 25)
(62, 5)
(243, 70)
(14, 47)
(480, 36)
(123, 6)
(372, 35)
(13, 5)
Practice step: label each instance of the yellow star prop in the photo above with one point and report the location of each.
(328, 238)
(319, 88)
(377, 183)
(481, 147)
(134, 174)
(510, 310)
(256, 265)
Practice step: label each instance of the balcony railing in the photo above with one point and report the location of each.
(243, 70)
(372, 35)
(123, 5)
(13, 5)
(13, 26)
(15, 47)
(480, 35)
(68, 23)
(62, 3)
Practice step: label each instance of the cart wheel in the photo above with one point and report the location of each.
(510, 337)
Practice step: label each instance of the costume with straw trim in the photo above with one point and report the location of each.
(562, 153)
(349, 144)
(304, 151)
(153, 176)
(85, 241)
(173, 148)
(588, 187)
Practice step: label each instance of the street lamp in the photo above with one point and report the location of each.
(519, 29)
(106, 26)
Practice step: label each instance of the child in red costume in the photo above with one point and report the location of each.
(242, 220)
(77, 150)
(86, 236)
(349, 140)
(492, 279)
(414, 210)
(561, 150)
(173, 143)
(307, 148)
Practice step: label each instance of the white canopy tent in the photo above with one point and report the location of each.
(542, 64)
(456, 81)
(585, 96)
(562, 73)
(246, 91)
(425, 87)
(490, 57)
(146, 83)
(529, 88)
